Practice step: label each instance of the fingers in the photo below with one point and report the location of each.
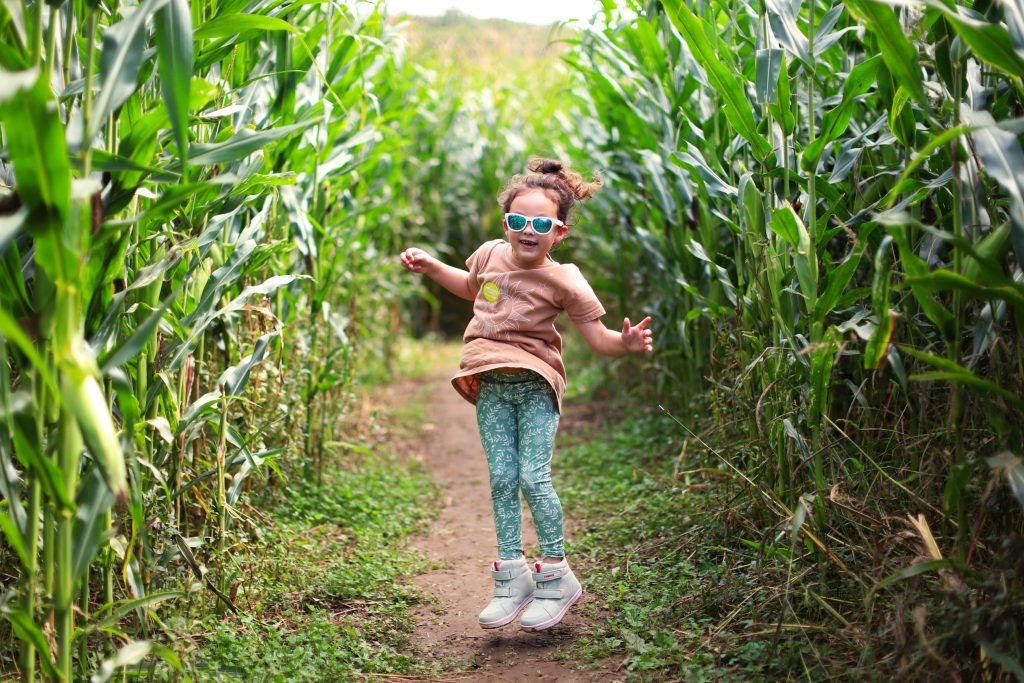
(413, 259)
(637, 337)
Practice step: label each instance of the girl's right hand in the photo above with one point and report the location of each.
(416, 260)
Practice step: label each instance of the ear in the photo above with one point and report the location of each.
(563, 232)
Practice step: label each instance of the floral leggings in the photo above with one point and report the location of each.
(518, 417)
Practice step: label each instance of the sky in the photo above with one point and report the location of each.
(527, 11)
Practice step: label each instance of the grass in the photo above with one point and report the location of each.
(326, 597)
(695, 582)
(671, 588)
(320, 586)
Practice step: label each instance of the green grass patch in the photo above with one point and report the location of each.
(320, 587)
(657, 564)
(698, 578)
(323, 597)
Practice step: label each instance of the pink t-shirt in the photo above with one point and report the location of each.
(514, 313)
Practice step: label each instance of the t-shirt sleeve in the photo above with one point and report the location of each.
(581, 303)
(476, 263)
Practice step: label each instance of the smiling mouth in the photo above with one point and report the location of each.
(527, 243)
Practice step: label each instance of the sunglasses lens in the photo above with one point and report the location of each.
(516, 222)
(542, 225)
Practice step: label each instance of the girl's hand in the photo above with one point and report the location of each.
(416, 260)
(637, 338)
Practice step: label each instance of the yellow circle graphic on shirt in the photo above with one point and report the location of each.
(491, 291)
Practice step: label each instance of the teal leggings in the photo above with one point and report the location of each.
(518, 418)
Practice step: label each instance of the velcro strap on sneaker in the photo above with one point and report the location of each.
(552, 593)
(503, 591)
(550, 574)
(509, 574)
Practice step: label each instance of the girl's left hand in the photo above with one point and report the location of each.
(637, 338)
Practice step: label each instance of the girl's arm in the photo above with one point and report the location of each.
(633, 338)
(455, 280)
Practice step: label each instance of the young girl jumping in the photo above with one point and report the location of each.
(512, 370)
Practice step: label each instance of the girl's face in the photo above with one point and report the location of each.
(530, 249)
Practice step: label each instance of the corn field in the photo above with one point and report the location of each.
(821, 204)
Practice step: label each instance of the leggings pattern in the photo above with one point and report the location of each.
(518, 418)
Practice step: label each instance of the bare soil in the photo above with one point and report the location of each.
(461, 545)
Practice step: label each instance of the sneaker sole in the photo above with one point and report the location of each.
(558, 617)
(507, 619)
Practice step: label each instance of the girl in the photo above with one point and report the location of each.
(512, 370)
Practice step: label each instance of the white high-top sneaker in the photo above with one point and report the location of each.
(557, 590)
(513, 591)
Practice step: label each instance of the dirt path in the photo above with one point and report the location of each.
(461, 544)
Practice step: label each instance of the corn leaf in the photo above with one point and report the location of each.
(990, 42)
(768, 67)
(952, 371)
(38, 152)
(50, 476)
(233, 24)
(878, 345)
(14, 539)
(946, 280)
(241, 144)
(120, 64)
(174, 50)
(734, 101)
(128, 655)
(838, 279)
(93, 500)
(785, 224)
(782, 18)
(837, 120)
(27, 632)
(898, 52)
(1013, 467)
(1003, 160)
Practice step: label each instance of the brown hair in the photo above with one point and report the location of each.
(564, 186)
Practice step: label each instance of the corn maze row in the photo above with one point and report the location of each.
(821, 203)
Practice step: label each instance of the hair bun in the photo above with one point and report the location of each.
(538, 165)
(562, 184)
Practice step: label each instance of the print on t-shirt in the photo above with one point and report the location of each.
(507, 303)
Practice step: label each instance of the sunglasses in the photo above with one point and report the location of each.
(542, 225)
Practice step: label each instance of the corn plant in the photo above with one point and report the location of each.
(821, 204)
(187, 191)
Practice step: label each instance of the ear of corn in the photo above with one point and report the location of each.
(82, 395)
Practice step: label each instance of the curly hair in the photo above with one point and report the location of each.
(562, 185)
